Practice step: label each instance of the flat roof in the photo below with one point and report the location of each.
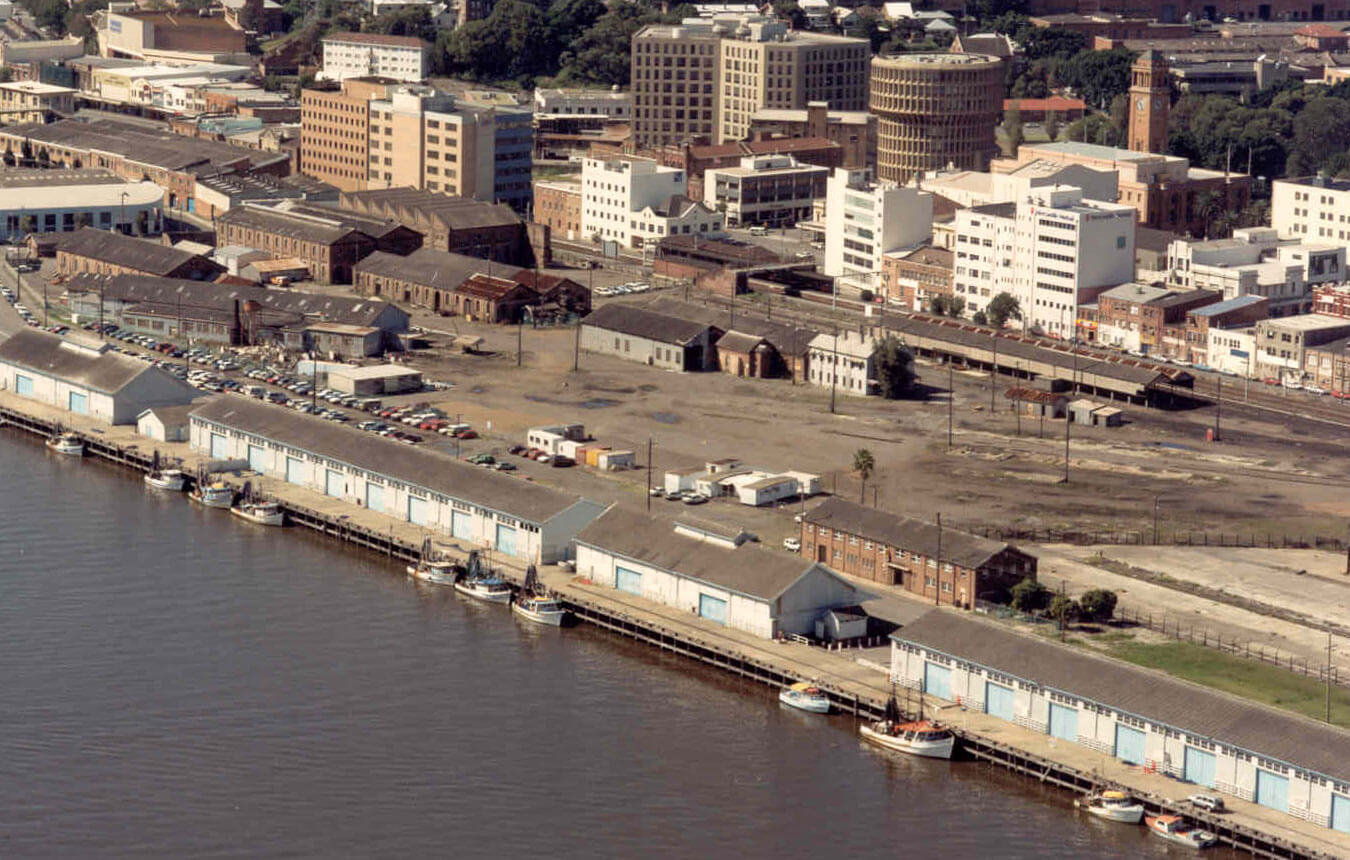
(104, 371)
(1228, 305)
(419, 467)
(80, 196)
(958, 547)
(376, 371)
(1198, 711)
(1307, 322)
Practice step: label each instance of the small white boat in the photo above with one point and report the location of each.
(435, 572)
(262, 513)
(1174, 829)
(66, 443)
(166, 479)
(217, 495)
(544, 610)
(922, 738)
(488, 588)
(1112, 805)
(806, 697)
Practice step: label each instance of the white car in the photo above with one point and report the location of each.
(1314, 389)
(792, 544)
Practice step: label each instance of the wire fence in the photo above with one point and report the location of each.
(1239, 540)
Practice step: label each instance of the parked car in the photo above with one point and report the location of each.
(516, 449)
(482, 459)
(1208, 802)
(657, 492)
(695, 499)
(504, 466)
(560, 462)
(792, 544)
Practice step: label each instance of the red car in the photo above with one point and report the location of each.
(1270, 380)
(466, 434)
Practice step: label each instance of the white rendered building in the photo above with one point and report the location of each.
(866, 219)
(359, 55)
(635, 201)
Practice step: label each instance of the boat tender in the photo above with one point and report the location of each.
(489, 588)
(1112, 805)
(1174, 829)
(806, 697)
(262, 513)
(166, 479)
(544, 610)
(922, 737)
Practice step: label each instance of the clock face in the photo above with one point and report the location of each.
(1157, 104)
(1139, 105)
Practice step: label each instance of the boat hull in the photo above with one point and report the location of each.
(1190, 837)
(551, 617)
(1122, 815)
(66, 449)
(468, 590)
(270, 519)
(926, 749)
(431, 575)
(811, 704)
(173, 485)
(211, 500)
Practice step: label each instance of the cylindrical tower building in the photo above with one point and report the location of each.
(934, 110)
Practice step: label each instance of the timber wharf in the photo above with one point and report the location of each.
(855, 686)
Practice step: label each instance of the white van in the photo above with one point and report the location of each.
(759, 230)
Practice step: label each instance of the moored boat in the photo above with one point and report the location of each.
(66, 443)
(1112, 805)
(434, 572)
(544, 610)
(1174, 829)
(217, 495)
(262, 513)
(489, 588)
(922, 737)
(166, 479)
(806, 697)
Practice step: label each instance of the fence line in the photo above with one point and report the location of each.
(1238, 648)
(1237, 540)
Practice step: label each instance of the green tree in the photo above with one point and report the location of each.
(979, 318)
(414, 21)
(1063, 609)
(27, 224)
(1001, 308)
(1097, 76)
(26, 153)
(1030, 596)
(937, 304)
(1045, 42)
(1013, 24)
(602, 54)
(864, 464)
(10, 160)
(1012, 129)
(1098, 604)
(1321, 130)
(1052, 125)
(790, 12)
(956, 306)
(894, 365)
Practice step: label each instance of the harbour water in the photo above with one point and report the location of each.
(174, 682)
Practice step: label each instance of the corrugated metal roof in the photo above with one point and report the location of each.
(106, 372)
(958, 547)
(1144, 693)
(640, 322)
(426, 266)
(415, 466)
(1230, 305)
(122, 250)
(748, 569)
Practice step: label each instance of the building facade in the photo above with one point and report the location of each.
(335, 132)
(675, 83)
(866, 219)
(1150, 100)
(1311, 209)
(635, 201)
(774, 191)
(945, 565)
(651, 338)
(58, 201)
(362, 55)
(843, 363)
(935, 111)
(32, 101)
(1281, 343)
(557, 205)
(854, 131)
(911, 279)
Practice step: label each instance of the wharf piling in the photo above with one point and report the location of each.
(863, 699)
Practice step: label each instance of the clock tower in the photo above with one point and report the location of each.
(1150, 99)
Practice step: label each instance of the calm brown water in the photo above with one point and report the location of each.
(174, 682)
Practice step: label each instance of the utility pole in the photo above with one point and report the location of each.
(993, 373)
(1063, 604)
(1155, 520)
(649, 474)
(1328, 676)
(1218, 408)
(520, 338)
(951, 400)
(834, 371)
(576, 347)
(937, 577)
(1068, 422)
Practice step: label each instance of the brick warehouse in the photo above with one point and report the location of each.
(882, 547)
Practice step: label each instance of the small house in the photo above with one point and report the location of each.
(680, 480)
(164, 423)
(842, 624)
(766, 490)
(613, 460)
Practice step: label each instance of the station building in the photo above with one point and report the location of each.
(1277, 759)
(479, 508)
(718, 577)
(85, 379)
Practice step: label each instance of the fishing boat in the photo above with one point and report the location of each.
(1112, 805)
(926, 738)
(434, 572)
(166, 479)
(1174, 829)
(534, 604)
(262, 513)
(489, 588)
(216, 495)
(66, 443)
(806, 697)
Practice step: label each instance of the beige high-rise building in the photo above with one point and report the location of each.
(935, 111)
(708, 77)
(674, 80)
(335, 130)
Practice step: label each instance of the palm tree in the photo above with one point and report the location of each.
(864, 464)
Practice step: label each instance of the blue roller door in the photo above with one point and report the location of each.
(937, 680)
(712, 608)
(1340, 813)
(78, 403)
(1063, 722)
(375, 497)
(332, 482)
(23, 385)
(1129, 744)
(295, 470)
(1272, 790)
(417, 511)
(506, 539)
(998, 700)
(219, 448)
(257, 458)
(628, 580)
(461, 525)
(1198, 767)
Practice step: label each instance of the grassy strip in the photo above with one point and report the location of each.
(1246, 678)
